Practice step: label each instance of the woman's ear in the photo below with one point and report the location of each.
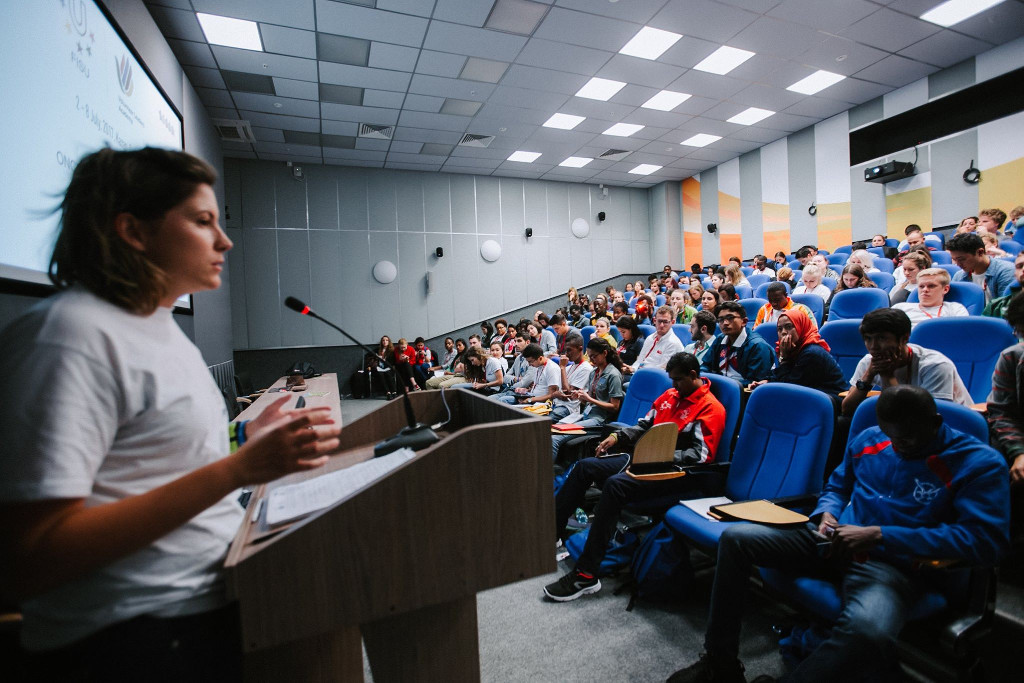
(129, 229)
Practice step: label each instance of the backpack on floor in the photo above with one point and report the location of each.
(661, 567)
(617, 556)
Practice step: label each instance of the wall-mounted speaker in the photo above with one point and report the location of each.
(712, 228)
(439, 252)
(600, 216)
(529, 233)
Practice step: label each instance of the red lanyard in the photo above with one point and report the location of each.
(657, 340)
(938, 313)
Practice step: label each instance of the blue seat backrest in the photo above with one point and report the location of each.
(761, 292)
(941, 257)
(884, 265)
(972, 296)
(659, 300)
(829, 282)
(877, 252)
(795, 265)
(746, 270)
(892, 242)
(683, 332)
(960, 418)
(751, 306)
(941, 237)
(883, 280)
(973, 344)
(843, 336)
(823, 252)
(758, 279)
(727, 391)
(845, 249)
(648, 330)
(587, 332)
(785, 457)
(813, 302)
(628, 295)
(769, 331)
(854, 303)
(744, 291)
(798, 274)
(1011, 247)
(646, 385)
(705, 282)
(614, 331)
(838, 258)
(949, 268)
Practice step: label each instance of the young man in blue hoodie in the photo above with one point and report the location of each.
(909, 488)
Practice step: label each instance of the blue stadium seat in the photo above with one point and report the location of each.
(727, 391)
(744, 291)
(761, 291)
(1011, 247)
(969, 294)
(884, 265)
(941, 257)
(773, 458)
(752, 306)
(646, 385)
(824, 252)
(845, 249)
(648, 330)
(838, 258)
(795, 265)
(843, 336)
(798, 274)
(973, 344)
(587, 333)
(746, 270)
(705, 282)
(628, 295)
(877, 252)
(941, 237)
(883, 280)
(960, 418)
(770, 333)
(659, 300)
(829, 282)
(948, 267)
(813, 302)
(892, 242)
(614, 331)
(683, 332)
(758, 279)
(854, 303)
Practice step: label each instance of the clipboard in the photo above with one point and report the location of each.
(759, 512)
(654, 454)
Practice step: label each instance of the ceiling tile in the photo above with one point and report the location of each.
(295, 13)
(223, 112)
(423, 103)
(194, 54)
(441, 137)
(405, 147)
(515, 16)
(201, 77)
(383, 98)
(826, 15)
(589, 30)
(396, 57)
(176, 23)
(431, 148)
(640, 71)
(945, 48)
(890, 30)
(215, 98)
(572, 58)
(278, 121)
(449, 87)
(818, 107)
(270, 134)
(294, 158)
(708, 85)
(347, 112)
(234, 59)
(371, 24)
(543, 79)
(661, 119)
(840, 55)
(304, 90)
(608, 111)
(472, 162)
(689, 51)
(356, 154)
(372, 144)
(345, 128)
(340, 94)
(530, 99)
(896, 71)
(776, 37)
(634, 95)
(475, 42)
(757, 134)
(440, 64)
(352, 162)
(288, 41)
(413, 167)
(338, 141)
(997, 25)
(855, 90)
(459, 107)
(469, 12)
(298, 137)
(422, 119)
(486, 70)
(703, 19)
(243, 82)
(268, 104)
(767, 97)
(342, 49)
(363, 77)
(789, 122)
(420, 8)
(639, 11)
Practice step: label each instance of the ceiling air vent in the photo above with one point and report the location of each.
(614, 154)
(233, 130)
(470, 140)
(367, 130)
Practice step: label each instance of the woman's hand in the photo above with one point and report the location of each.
(276, 412)
(754, 385)
(787, 345)
(292, 444)
(607, 443)
(582, 396)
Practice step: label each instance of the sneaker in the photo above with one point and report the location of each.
(710, 669)
(571, 586)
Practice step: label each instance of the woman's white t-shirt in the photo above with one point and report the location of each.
(101, 404)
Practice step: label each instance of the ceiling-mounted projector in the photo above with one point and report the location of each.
(888, 172)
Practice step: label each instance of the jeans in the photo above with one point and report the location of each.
(617, 490)
(876, 598)
(558, 439)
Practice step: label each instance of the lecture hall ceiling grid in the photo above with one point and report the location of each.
(435, 70)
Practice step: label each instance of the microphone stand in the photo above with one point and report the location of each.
(416, 435)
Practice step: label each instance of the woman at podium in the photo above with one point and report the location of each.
(118, 484)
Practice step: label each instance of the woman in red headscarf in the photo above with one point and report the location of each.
(804, 356)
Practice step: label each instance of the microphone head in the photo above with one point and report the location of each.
(296, 305)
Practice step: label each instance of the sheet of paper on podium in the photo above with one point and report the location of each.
(290, 502)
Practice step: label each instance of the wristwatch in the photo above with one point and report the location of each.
(863, 386)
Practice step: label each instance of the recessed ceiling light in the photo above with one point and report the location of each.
(723, 60)
(751, 115)
(816, 82)
(623, 130)
(650, 43)
(954, 11)
(645, 169)
(564, 121)
(576, 162)
(701, 140)
(600, 89)
(525, 157)
(230, 32)
(666, 100)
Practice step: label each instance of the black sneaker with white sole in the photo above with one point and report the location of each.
(571, 586)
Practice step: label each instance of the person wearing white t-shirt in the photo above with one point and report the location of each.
(891, 361)
(660, 346)
(574, 372)
(932, 287)
(118, 493)
(810, 283)
(540, 383)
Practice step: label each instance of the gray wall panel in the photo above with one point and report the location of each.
(950, 194)
(488, 206)
(581, 260)
(538, 268)
(354, 213)
(558, 210)
(956, 77)
(603, 260)
(579, 206)
(262, 314)
(355, 279)
(750, 204)
(232, 181)
(328, 294)
(290, 195)
(622, 255)
(711, 250)
(236, 280)
(411, 281)
(536, 200)
(322, 197)
(444, 288)
(601, 230)
(659, 223)
(410, 203)
(437, 203)
(639, 215)
(641, 257)
(507, 282)
(803, 228)
(465, 265)
(560, 278)
(294, 272)
(258, 210)
(380, 197)
(867, 204)
(463, 192)
(513, 217)
(620, 218)
(383, 300)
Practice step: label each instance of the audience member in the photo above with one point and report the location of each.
(878, 240)
(821, 261)
(602, 330)
(997, 307)
(644, 309)
(660, 346)
(619, 309)
(778, 303)
(541, 336)
(780, 260)
(632, 340)
(1005, 408)
(574, 371)
(891, 361)
(969, 224)
(744, 356)
(810, 283)
(991, 221)
(573, 297)
(486, 333)
(538, 385)
(404, 357)
(700, 419)
(422, 362)
(600, 399)
(702, 333)
(863, 258)
(932, 287)
(915, 238)
(914, 262)
(785, 274)
(563, 332)
(1014, 222)
(717, 280)
(853, 277)
(992, 275)
(380, 371)
(501, 332)
(695, 292)
(680, 302)
(761, 267)
(519, 367)
(945, 496)
(804, 358)
(991, 242)
(457, 373)
(804, 254)
(728, 293)
(709, 300)
(734, 276)
(483, 372)
(695, 269)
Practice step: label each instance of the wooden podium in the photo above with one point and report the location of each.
(399, 562)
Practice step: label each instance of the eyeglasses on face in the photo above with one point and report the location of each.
(727, 318)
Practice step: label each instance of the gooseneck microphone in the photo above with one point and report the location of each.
(416, 435)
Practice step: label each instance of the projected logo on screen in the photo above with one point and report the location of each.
(76, 10)
(124, 75)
